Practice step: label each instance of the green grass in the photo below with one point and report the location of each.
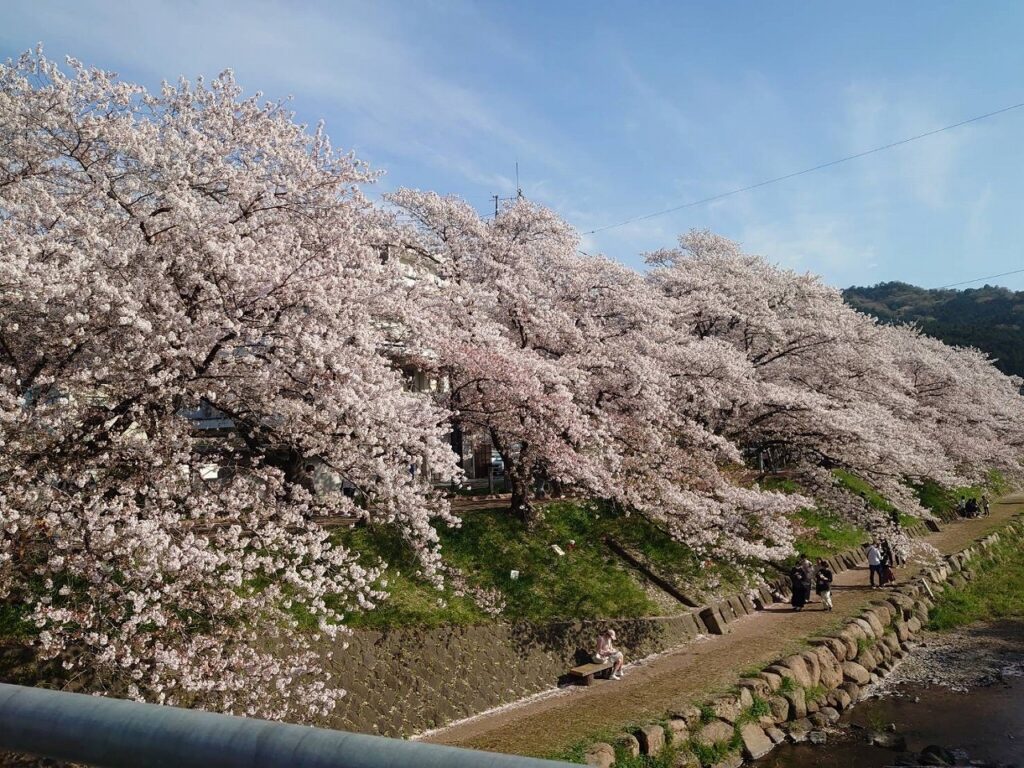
(906, 520)
(758, 709)
(589, 581)
(862, 488)
(827, 535)
(865, 644)
(942, 501)
(815, 692)
(776, 483)
(997, 483)
(995, 593)
(824, 534)
(14, 622)
(576, 753)
(712, 755)
(411, 601)
(667, 758)
(667, 556)
(934, 497)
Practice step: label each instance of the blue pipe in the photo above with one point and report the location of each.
(116, 733)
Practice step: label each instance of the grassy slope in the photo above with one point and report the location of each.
(825, 535)
(942, 500)
(820, 533)
(588, 581)
(997, 593)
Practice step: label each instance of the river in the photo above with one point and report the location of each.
(962, 692)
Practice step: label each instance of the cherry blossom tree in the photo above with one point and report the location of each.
(572, 366)
(834, 389)
(487, 328)
(963, 402)
(196, 249)
(163, 251)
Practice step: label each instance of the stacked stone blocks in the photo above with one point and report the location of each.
(805, 693)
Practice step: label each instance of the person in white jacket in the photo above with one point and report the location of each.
(874, 565)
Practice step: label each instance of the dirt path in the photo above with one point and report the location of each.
(548, 725)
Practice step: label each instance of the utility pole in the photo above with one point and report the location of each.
(518, 196)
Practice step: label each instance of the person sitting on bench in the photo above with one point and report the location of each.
(606, 651)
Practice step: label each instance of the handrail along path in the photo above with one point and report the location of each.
(116, 733)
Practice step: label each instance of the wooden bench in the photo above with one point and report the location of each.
(586, 672)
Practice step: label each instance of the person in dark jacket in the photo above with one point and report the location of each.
(887, 556)
(887, 576)
(796, 580)
(807, 567)
(823, 584)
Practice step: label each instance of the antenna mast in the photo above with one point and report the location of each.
(519, 194)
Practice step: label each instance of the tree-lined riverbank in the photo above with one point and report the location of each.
(554, 725)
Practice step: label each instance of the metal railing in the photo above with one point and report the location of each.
(116, 733)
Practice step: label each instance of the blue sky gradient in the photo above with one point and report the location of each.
(615, 109)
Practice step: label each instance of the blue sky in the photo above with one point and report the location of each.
(614, 109)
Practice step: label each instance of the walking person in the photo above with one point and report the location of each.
(606, 651)
(874, 564)
(823, 584)
(807, 577)
(984, 505)
(887, 576)
(796, 582)
(972, 507)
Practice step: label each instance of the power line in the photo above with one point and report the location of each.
(978, 279)
(777, 179)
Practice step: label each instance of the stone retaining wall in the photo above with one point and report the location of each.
(795, 698)
(403, 681)
(407, 680)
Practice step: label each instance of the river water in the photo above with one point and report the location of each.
(963, 692)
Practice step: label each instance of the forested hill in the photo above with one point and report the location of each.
(989, 318)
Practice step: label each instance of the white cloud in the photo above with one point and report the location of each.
(363, 64)
(825, 246)
(924, 170)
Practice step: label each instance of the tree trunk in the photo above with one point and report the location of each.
(522, 504)
(518, 475)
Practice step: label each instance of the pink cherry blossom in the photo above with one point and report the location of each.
(163, 251)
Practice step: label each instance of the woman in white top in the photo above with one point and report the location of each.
(874, 564)
(606, 651)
